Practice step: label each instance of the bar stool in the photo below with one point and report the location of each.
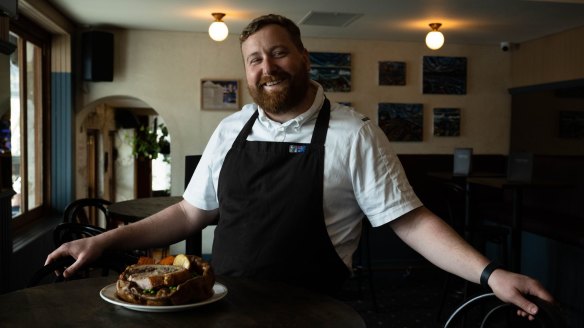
(478, 234)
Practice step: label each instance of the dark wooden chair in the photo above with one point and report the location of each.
(193, 243)
(69, 231)
(87, 210)
(108, 262)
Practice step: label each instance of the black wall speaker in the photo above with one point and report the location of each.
(98, 56)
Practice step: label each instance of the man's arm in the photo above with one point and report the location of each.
(430, 236)
(440, 244)
(168, 226)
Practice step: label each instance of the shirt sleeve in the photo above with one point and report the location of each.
(200, 191)
(379, 181)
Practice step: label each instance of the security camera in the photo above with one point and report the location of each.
(505, 46)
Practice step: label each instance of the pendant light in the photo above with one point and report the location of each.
(218, 30)
(435, 38)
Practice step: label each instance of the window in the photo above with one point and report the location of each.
(28, 117)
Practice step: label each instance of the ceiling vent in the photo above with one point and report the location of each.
(320, 18)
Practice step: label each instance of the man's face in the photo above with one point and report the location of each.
(276, 70)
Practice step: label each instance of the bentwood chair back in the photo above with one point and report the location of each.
(87, 211)
(107, 263)
(486, 310)
(68, 231)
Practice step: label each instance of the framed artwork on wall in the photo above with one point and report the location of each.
(571, 124)
(447, 122)
(219, 94)
(444, 75)
(401, 122)
(332, 70)
(392, 73)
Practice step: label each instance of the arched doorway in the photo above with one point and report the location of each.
(122, 150)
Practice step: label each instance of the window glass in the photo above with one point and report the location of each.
(15, 135)
(26, 128)
(33, 126)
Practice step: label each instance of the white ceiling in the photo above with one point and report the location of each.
(463, 21)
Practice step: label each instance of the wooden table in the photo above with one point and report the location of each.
(449, 177)
(134, 210)
(517, 189)
(248, 303)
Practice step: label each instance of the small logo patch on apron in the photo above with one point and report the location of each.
(297, 149)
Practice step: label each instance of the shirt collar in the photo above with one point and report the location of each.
(300, 119)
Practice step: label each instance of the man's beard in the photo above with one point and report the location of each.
(280, 102)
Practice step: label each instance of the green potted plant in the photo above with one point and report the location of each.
(147, 144)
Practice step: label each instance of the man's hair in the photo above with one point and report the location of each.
(262, 21)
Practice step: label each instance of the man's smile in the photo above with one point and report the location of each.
(268, 82)
(272, 83)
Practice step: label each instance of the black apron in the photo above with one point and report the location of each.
(271, 212)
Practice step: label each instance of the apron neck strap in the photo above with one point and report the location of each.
(318, 136)
(240, 141)
(322, 122)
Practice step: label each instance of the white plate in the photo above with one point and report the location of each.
(108, 293)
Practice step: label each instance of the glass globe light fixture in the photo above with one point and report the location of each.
(218, 31)
(435, 38)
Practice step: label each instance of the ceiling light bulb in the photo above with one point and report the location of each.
(435, 38)
(218, 31)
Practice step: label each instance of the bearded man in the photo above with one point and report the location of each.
(291, 178)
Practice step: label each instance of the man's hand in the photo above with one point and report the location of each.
(512, 287)
(84, 250)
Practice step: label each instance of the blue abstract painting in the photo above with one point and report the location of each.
(447, 122)
(444, 75)
(332, 70)
(401, 122)
(392, 73)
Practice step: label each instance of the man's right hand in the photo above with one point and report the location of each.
(84, 251)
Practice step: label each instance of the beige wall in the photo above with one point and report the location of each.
(164, 69)
(555, 58)
(486, 100)
(535, 122)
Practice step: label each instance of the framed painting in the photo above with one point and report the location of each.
(219, 94)
(332, 70)
(392, 73)
(401, 122)
(447, 122)
(444, 75)
(571, 124)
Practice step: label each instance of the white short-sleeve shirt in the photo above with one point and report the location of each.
(362, 174)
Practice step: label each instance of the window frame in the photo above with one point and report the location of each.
(31, 32)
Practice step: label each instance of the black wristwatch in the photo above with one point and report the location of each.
(487, 273)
